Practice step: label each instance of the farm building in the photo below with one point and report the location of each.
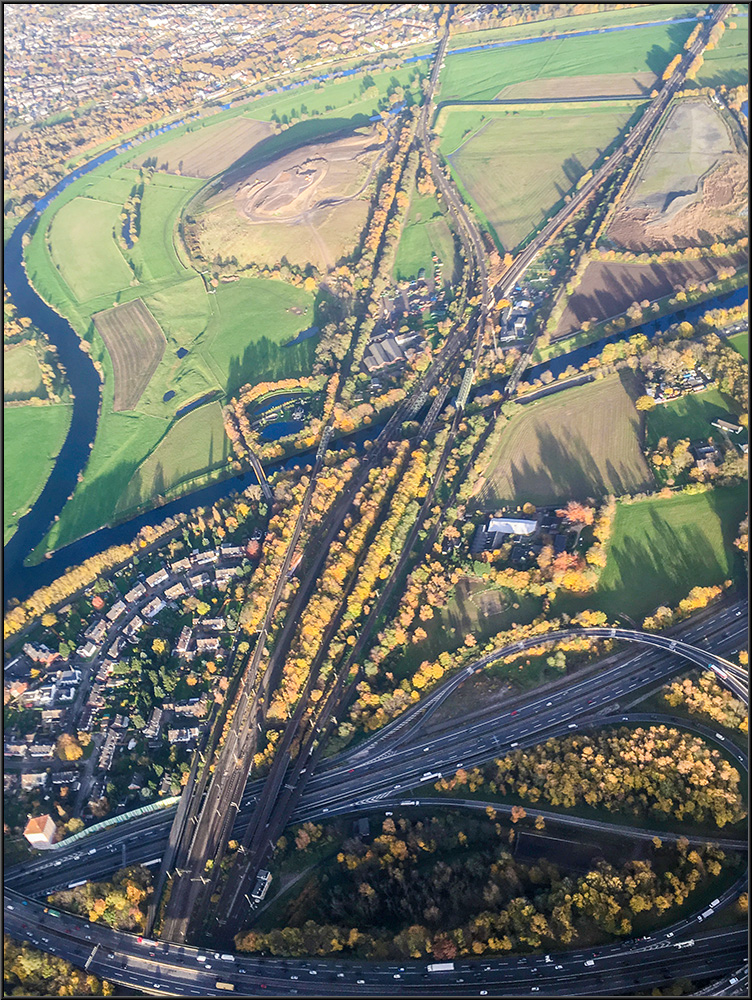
(492, 536)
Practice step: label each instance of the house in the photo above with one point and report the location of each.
(115, 611)
(199, 580)
(40, 653)
(41, 749)
(151, 729)
(706, 455)
(97, 631)
(154, 607)
(114, 650)
(135, 594)
(161, 576)
(134, 625)
(207, 645)
(222, 577)
(204, 558)
(172, 593)
(53, 716)
(512, 525)
(181, 565)
(520, 326)
(34, 779)
(88, 650)
(215, 624)
(184, 640)
(236, 551)
(44, 695)
(40, 831)
(15, 749)
(182, 735)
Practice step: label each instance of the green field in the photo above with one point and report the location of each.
(516, 166)
(425, 232)
(180, 457)
(479, 76)
(581, 442)
(154, 257)
(740, 341)
(84, 248)
(688, 417)
(575, 22)
(22, 377)
(660, 549)
(32, 438)
(729, 63)
(253, 319)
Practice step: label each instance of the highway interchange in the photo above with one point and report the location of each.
(374, 776)
(389, 768)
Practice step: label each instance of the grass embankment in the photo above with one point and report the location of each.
(575, 22)
(32, 439)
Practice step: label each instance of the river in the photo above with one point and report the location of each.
(20, 580)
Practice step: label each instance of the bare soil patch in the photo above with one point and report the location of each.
(307, 205)
(598, 85)
(608, 288)
(136, 344)
(209, 150)
(692, 188)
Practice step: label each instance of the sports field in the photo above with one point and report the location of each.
(22, 377)
(135, 344)
(581, 442)
(426, 232)
(516, 166)
(84, 248)
(194, 445)
(482, 75)
(32, 438)
(660, 549)
(689, 417)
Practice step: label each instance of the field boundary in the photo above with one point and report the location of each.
(134, 359)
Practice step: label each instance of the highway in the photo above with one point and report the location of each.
(392, 764)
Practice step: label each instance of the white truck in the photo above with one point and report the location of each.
(441, 967)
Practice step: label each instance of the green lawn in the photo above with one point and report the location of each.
(729, 63)
(84, 248)
(32, 438)
(688, 417)
(576, 22)
(195, 444)
(253, 318)
(660, 549)
(425, 232)
(22, 377)
(481, 75)
(516, 166)
(740, 341)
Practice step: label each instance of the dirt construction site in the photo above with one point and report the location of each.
(692, 187)
(307, 205)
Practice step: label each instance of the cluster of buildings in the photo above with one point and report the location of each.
(390, 348)
(58, 58)
(664, 386)
(526, 534)
(514, 320)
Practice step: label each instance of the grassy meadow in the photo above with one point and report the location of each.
(84, 250)
(728, 63)
(425, 232)
(661, 548)
(516, 165)
(479, 76)
(32, 439)
(688, 417)
(582, 442)
(22, 377)
(740, 342)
